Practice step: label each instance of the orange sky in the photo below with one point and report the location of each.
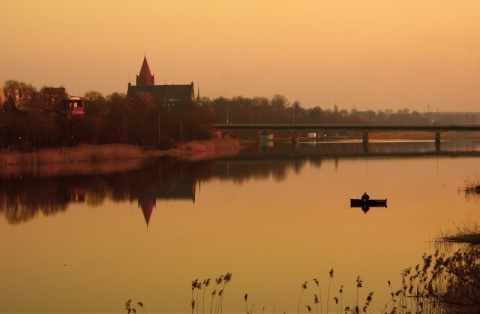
(372, 54)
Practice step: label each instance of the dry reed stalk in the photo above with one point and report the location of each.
(91, 153)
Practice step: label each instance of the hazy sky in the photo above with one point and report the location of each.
(367, 54)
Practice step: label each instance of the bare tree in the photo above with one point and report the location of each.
(19, 94)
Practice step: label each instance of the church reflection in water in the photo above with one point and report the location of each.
(25, 194)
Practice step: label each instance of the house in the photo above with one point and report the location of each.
(170, 96)
(74, 107)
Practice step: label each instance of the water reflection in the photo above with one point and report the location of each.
(365, 203)
(273, 217)
(25, 192)
(24, 196)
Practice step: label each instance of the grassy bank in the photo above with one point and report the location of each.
(115, 152)
(90, 153)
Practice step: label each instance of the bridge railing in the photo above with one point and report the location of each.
(357, 127)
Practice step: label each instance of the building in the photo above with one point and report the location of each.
(169, 96)
(75, 107)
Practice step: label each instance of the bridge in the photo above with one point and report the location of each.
(364, 128)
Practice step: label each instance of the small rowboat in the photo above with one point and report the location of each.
(355, 202)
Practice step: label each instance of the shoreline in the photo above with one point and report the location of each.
(115, 152)
(104, 159)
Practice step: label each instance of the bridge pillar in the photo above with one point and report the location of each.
(365, 138)
(437, 141)
(294, 141)
(294, 138)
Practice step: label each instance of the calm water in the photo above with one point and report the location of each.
(88, 239)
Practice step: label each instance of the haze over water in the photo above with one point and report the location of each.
(273, 220)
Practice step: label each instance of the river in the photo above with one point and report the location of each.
(275, 217)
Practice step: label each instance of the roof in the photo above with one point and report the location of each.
(145, 77)
(165, 93)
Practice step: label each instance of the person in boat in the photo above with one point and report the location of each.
(365, 197)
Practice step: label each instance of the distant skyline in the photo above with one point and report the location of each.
(363, 54)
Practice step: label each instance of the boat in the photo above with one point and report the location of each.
(358, 202)
(366, 203)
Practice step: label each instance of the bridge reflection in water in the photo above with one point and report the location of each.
(355, 148)
(168, 179)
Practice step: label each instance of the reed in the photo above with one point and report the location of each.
(466, 233)
(196, 285)
(206, 283)
(226, 280)
(304, 287)
(359, 285)
(471, 187)
(329, 284)
(318, 299)
(223, 280)
(439, 285)
(131, 307)
(86, 153)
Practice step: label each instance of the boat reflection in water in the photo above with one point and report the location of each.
(366, 203)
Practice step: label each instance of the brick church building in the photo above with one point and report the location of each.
(169, 96)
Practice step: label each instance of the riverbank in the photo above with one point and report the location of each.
(104, 159)
(117, 152)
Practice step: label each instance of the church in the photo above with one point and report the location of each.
(170, 96)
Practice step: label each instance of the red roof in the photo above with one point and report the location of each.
(145, 77)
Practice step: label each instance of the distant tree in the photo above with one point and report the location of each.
(296, 107)
(2, 97)
(335, 112)
(19, 95)
(50, 98)
(95, 104)
(315, 115)
(279, 101)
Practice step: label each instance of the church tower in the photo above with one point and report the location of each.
(170, 96)
(145, 78)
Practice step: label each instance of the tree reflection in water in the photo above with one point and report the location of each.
(27, 191)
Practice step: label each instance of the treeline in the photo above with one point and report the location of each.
(279, 110)
(34, 118)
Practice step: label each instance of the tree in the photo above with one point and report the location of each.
(50, 98)
(279, 101)
(19, 95)
(295, 111)
(95, 104)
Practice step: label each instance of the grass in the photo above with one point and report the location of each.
(216, 303)
(217, 299)
(472, 187)
(131, 307)
(86, 153)
(440, 284)
(465, 233)
(196, 150)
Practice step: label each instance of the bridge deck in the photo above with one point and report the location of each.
(352, 127)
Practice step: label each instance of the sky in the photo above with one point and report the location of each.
(362, 54)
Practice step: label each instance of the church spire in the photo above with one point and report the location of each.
(145, 77)
(198, 93)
